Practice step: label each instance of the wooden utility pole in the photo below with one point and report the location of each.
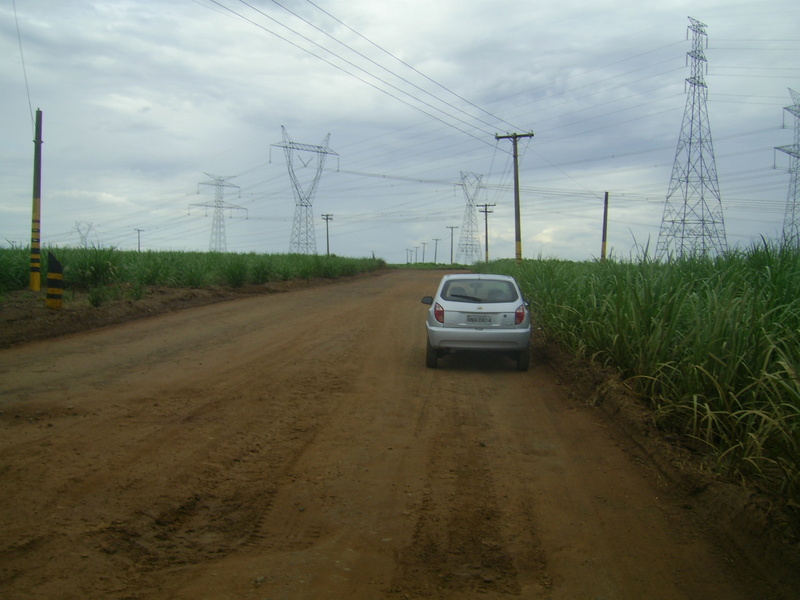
(36, 219)
(328, 218)
(451, 228)
(514, 137)
(486, 212)
(138, 239)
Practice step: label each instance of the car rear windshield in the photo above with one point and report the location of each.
(479, 290)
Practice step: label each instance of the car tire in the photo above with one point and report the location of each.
(431, 358)
(523, 359)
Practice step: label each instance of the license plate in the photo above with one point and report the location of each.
(479, 319)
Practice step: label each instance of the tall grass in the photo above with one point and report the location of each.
(712, 344)
(14, 269)
(98, 268)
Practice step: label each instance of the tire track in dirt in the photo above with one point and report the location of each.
(475, 534)
(458, 543)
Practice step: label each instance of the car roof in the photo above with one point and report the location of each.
(478, 276)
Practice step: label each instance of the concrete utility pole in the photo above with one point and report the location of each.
(514, 137)
(327, 218)
(486, 212)
(35, 282)
(435, 249)
(138, 239)
(451, 228)
(605, 228)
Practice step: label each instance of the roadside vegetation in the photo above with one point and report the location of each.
(107, 273)
(713, 344)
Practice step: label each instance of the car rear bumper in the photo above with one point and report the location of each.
(457, 338)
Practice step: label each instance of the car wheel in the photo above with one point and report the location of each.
(523, 359)
(431, 358)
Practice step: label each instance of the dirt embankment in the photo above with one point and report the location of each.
(293, 445)
(25, 318)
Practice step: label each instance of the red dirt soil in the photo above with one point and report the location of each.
(256, 444)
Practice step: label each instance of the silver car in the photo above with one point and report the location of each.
(478, 312)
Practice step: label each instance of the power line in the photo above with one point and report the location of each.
(365, 57)
(24, 70)
(405, 64)
(338, 67)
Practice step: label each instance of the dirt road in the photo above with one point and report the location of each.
(294, 446)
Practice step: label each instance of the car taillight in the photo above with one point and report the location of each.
(438, 313)
(519, 314)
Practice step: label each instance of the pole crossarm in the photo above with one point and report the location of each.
(792, 150)
(305, 147)
(218, 202)
(513, 136)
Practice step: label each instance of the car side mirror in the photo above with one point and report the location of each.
(427, 300)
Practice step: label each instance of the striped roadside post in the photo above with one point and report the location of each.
(55, 282)
(36, 223)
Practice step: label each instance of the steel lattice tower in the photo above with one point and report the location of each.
(303, 240)
(791, 220)
(693, 222)
(218, 241)
(469, 247)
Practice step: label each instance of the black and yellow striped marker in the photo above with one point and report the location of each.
(55, 282)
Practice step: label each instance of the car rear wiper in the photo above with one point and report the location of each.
(470, 298)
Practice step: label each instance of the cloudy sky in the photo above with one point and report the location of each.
(145, 101)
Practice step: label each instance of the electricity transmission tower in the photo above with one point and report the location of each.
(693, 223)
(84, 229)
(791, 220)
(469, 249)
(303, 240)
(218, 242)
